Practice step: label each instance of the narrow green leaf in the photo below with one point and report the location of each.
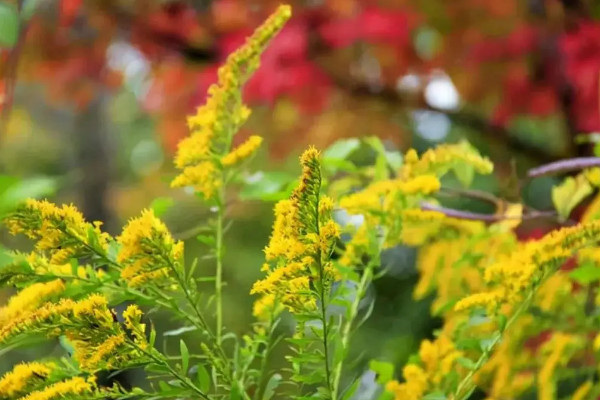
(185, 356)
(203, 378)
(272, 384)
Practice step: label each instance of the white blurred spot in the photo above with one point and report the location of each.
(441, 93)
(409, 83)
(125, 58)
(431, 125)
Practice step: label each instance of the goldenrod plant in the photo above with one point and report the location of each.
(520, 318)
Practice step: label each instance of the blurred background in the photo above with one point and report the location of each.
(94, 97)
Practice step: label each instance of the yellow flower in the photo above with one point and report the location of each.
(214, 124)
(413, 388)
(438, 161)
(300, 245)
(76, 386)
(30, 298)
(133, 317)
(100, 357)
(242, 152)
(148, 251)
(16, 381)
(61, 231)
(546, 381)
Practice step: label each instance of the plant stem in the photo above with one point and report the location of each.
(346, 333)
(219, 271)
(467, 384)
(159, 360)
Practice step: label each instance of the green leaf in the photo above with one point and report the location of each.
(13, 191)
(384, 370)
(185, 356)
(586, 273)
(341, 149)
(435, 396)
(161, 205)
(570, 193)
(267, 186)
(208, 240)
(9, 25)
(464, 173)
(272, 384)
(466, 362)
(203, 378)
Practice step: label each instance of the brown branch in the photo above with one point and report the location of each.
(450, 212)
(557, 167)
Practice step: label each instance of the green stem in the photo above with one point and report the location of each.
(346, 333)
(322, 295)
(219, 271)
(160, 361)
(466, 385)
(264, 362)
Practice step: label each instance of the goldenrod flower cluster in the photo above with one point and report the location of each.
(90, 326)
(437, 359)
(441, 159)
(62, 232)
(148, 251)
(511, 275)
(30, 298)
(76, 387)
(23, 378)
(300, 247)
(203, 155)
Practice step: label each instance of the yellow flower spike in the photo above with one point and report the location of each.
(299, 248)
(102, 354)
(62, 231)
(582, 391)
(15, 382)
(148, 250)
(30, 298)
(76, 386)
(202, 155)
(242, 152)
(439, 160)
(133, 317)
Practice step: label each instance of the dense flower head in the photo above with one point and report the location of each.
(441, 159)
(89, 324)
(30, 298)
(206, 152)
(23, 377)
(437, 359)
(62, 231)
(148, 251)
(242, 152)
(509, 277)
(301, 244)
(76, 387)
